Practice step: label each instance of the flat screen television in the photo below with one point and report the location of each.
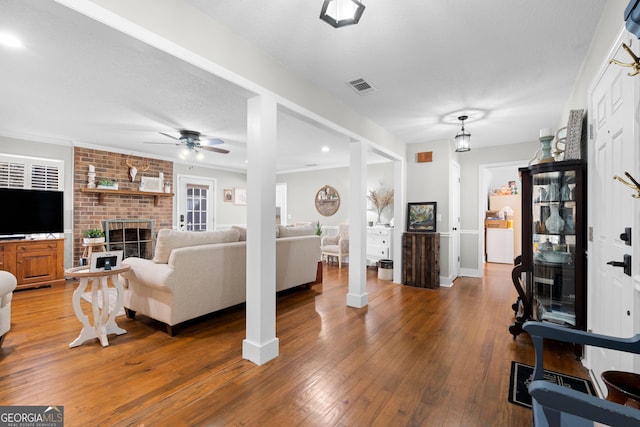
(30, 212)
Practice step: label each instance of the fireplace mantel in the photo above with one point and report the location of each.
(102, 192)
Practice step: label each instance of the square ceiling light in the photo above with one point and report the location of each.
(340, 13)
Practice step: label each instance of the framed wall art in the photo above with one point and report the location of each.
(421, 217)
(228, 195)
(240, 196)
(152, 184)
(573, 148)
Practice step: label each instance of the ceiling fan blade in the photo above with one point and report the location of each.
(170, 136)
(214, 149)
(211, 141)
(162, 143)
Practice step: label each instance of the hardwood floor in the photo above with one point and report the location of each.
(415, 357)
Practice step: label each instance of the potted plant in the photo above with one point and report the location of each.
(93, 235)
(380, 199)
(318, 229)
(108, 184)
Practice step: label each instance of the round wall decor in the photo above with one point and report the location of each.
(327, 200)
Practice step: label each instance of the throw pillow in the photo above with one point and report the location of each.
(243, 232)
(168, 240)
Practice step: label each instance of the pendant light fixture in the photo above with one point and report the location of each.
(463, 139)
(340, 13)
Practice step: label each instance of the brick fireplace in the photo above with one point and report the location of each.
(132, 209)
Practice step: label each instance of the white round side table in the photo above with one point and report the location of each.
(104, 318)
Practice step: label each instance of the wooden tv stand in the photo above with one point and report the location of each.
(35, 263)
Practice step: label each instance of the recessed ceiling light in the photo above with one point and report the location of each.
(10, 40)
(325, 149)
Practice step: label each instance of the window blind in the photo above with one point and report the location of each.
(31, 173)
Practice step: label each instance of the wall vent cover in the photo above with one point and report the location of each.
(361, 86)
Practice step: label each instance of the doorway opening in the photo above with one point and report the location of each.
(493, 177)
(195, 203)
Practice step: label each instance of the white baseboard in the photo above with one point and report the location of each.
(260, 354)
(357, 301)
(447, 282)
(470, 272)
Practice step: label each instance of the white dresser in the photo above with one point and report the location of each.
(379, 244)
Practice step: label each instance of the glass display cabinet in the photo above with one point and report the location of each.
(551, 276)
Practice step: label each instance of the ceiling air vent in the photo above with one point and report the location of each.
(361, 86)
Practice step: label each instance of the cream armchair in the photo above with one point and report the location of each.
(336, 246)
(7, 285)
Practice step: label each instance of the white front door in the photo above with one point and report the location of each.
(195, 203)
(612, 308)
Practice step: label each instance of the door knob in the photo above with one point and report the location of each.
(626, 264)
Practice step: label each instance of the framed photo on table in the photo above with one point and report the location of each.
(421, 217)
(105, 261)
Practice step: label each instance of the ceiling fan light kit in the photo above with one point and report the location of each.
(340, 13)
(190, 141)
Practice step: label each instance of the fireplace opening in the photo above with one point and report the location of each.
(134, 237)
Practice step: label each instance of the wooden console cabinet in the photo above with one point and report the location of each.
(421, 260)
(35, 263)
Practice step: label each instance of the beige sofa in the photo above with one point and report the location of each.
(196, 273)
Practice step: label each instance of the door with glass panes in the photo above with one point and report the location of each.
(196, 197)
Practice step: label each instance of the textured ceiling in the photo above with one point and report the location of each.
(514, 61)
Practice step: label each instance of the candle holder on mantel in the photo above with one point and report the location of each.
(545, 139)
(91, 177)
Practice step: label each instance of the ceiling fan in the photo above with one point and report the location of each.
(190, 140)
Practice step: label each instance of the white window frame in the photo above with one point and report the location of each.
(31, 172)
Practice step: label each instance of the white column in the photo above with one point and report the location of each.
(357, 295)
(261, 344)
(399, 212)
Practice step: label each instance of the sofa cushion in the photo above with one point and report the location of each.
(168, 240)
(303, 230)
(242, 231)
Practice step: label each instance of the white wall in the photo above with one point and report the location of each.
(500, 176)
(471, 215)
(610, 25)
(227, 213)
(302, 188)
(429, 182)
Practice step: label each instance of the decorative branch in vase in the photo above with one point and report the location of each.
(380, 199)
